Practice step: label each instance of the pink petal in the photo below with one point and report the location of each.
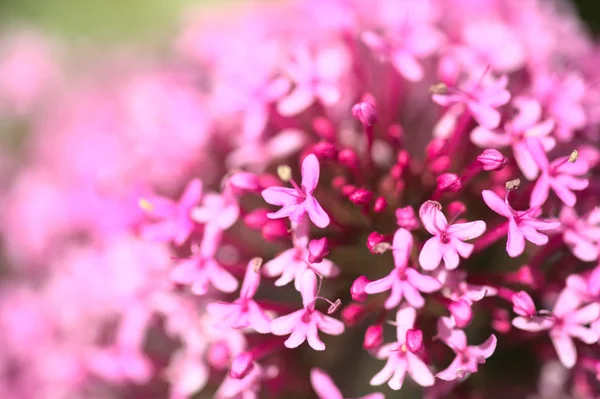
(297, 337)
(376, 395)
(313, 339)
(422, 282)
(515, 244)
(564, 194)
(431, 254)
(487, 348)
(186, 271)
(310, 173)
(402, 247)
(432, 217)
(330, 326)
(308, 287)
(407, 66)
(541, 130)
(284, 325)
(220, 278)
(419, 371)
(405, 320)
(464, 249)
(276, 88)
(530, 112)
(584, 334)
(467, 231)
(566, 302)
(453, 371)
(485, 115)
(532, 324)
(396, 295)
(281, 196)
(565, 349)
(316, 214)
(259, 320)
(398, 377)
(525, 160)
(386, 373)
(450, 256)
(286, 211)
(251, 281)
(328, 94)
(327, 268)
(381, 285)
(586, 314)
(297, 101)
(537, 151)
(532, 235)
(286, 143)
(192, 194)
(323, 385)
(160, 232)
(277, 265)
(496, 204)
(412, 296)
(486, 138)
(540, 192)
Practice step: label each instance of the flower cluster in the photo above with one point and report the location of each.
(296, 179)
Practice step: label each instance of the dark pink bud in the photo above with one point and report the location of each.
(325, 128)
(361, 196)
(219, 355)
(403, 158)
(449, 182)
(357, 290)
(501, 320)
(268, 180)
(395, 133)
(523, 304)
(376, 242)
(397, 171)
(380, 205)
(492, 159)
(338, 182)
(317, 250)
(353, 314)
(256, 219)
(325, 150)
(347, 190)
(348, 158)
(414, 341)
(373, 337)
(455, 209)
(406, 217)
(365, 112)
(440, 165)
(275, 229)
(526, 275)
(245, 181)
(241, 365)
(435, 148)
(462, 313)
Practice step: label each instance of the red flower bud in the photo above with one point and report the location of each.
(380, 204)
(256, 219)
(406, 217)
(492, 159)
(373, 337)
(348, 159)
(449, 182)
(361, 196)
(357, 290)
(275, 229)
(414, 341)
(325, 150)
(365, 112)
(455, 209)
(244, 181)
(317, 250)
(324, 128)
(523, 304)
(375, 241)
(353, 314)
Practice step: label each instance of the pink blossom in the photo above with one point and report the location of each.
(248, 387)
(586, 288)
(326, 388)
(304, 324)
(566, 322)
(456, 288)
(403, 281)
(522, 224)
(525, 126)
(120, 365)
(174, 221)
(316, 77)
(448, 241)
(292, 263)
(561, 175)
(202, 270)
(481, 96)
(468, 358)
(220, 210)
(582, 234)
(399, 359)
(244, 312)
(299, 201)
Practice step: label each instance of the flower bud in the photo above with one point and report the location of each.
(325, 150)
(373, 336)
(361, 196)
(440, 165)
(449, 182)
(403, 158)
(380, 204)
(455, 209)
(526, 275)
(348, 159)
(492, 159)
(338, 182)
(275, 229)
(317, 250)
(219, 355)
(353, 314)
(244, 181)
(241, 365)
(365, 112)
(324, 128)
(347, 190)
(435, 148)
(414, 341)
(523, 304)
(406, 217)
(461, 312)
(256, 219)
(374, 240)
(357, 290)
(395, 133)
(501, 320)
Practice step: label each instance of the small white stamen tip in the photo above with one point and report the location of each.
(573, 157)
(284, 172)
(256, 263)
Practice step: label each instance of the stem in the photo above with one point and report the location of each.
(491, 237)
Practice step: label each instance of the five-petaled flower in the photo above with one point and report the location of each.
(304, 324)
(448, 241)
(403, 281)
(298, 201)
(325, 388)
(521, 224)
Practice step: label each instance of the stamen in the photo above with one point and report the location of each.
(284, 172)
(256, 263)
(439, 88)
(145, 205)
(512, 184)
(573, 157)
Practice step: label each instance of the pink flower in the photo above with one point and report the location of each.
(120, 365)
(299, 201)
(221, 210)
(448, 241)
(457, 288)
(523, 304)
(403, 281)
(243, 312)
(468, 358)
(304, 324)
(561, 175)
(516, 133)
(586, 288)
(316, 77)
(292, 263)
(325, 387)
(174, 221)
(202, 270)
(399, 359)
(522, 224)
(481, 96)
(582, 234)
(247, 388)
(566, 322)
